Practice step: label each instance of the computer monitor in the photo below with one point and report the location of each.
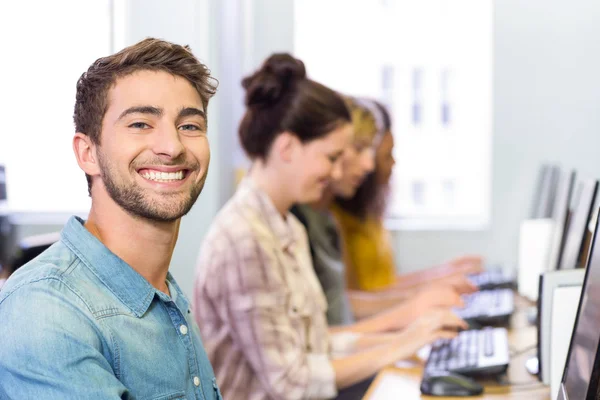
(577, 224)
(582, 369)
(549, 282)
(560, 213)
(544, 195)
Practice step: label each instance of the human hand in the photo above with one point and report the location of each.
(460, 283)
(431, 326)
(438, 295)
(468, 264)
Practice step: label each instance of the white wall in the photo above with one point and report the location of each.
(546, 98)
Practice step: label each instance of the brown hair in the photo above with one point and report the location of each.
(91, 100)
(363, 121)
(370, 199)
(279, 98)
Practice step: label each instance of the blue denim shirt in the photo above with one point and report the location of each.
(79, 323)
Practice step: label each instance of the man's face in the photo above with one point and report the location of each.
(153, 152)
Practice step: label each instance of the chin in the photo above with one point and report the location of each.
(347, 193)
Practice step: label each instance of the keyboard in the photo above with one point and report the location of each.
(494, 278)
(488, 306)
(472, 352)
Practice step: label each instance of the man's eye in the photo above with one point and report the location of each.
(189, 127)
(139, 125)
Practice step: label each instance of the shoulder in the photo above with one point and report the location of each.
(232, 227)
(42, 308)
(299, 228)
(56, 278)
(234, 252)
(54, 268)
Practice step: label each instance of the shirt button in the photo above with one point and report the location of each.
(183, 329)
(196, 381)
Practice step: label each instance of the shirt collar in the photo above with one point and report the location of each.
(258, 199)
(124, 282)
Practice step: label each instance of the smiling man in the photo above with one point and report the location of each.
(98, 316)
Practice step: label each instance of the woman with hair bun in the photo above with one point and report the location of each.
(258, 303)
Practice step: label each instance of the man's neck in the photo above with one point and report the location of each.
(146, 246)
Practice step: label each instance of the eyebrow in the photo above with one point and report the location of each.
(141, 110)
(191, 111)
(337, 154)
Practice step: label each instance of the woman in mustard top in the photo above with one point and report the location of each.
(368, 250)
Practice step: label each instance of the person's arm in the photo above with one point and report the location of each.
(385, 316)
(391, 348)
(453, 271)
(366, 304)
(51, 349)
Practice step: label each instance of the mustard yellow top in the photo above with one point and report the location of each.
(367, 252)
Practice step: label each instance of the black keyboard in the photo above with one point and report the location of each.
(494, 278)
(472, 352)
(488, 306)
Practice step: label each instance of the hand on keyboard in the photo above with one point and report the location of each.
(467, 264)
(433, 325)
(438, 296)
(461, 284)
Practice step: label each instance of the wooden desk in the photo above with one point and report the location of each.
(521, 336)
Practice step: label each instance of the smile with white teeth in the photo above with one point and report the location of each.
(158, 176)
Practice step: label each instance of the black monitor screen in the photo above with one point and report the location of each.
(580, 377)
(578, 222)
(560, 215)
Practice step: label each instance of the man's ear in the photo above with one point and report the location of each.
(285, 146)
(85, 153)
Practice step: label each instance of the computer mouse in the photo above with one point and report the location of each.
(449, 384)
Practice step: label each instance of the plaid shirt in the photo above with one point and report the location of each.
(259, 305)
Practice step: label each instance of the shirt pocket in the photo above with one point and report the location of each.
(301, 313)
(172, 396)
(216, 389)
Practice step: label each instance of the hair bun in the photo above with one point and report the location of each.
(278, 74)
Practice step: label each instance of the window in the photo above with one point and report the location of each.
(430, 61)
(40, 69)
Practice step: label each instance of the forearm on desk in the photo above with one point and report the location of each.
(364, 364)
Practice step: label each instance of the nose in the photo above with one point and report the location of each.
(336, 170)
(167, 142)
